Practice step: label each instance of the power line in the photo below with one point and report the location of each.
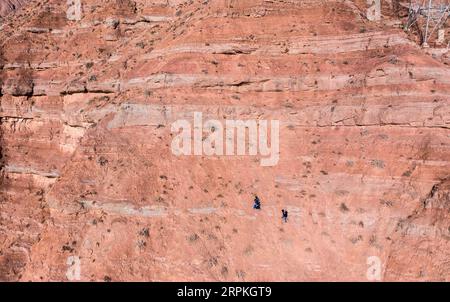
(436, 15)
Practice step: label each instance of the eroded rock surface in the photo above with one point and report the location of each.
(87, 168)
(8, 6)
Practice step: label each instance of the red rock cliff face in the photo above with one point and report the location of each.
(87, 169)
(8, 6)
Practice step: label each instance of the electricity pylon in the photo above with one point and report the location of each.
(433, 14)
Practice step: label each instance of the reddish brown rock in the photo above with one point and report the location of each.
(87, 169)
(8, 6)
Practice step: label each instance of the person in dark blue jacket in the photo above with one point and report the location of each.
(257, 203)
(284, 215)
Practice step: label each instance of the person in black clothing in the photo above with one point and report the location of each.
(284, 215)
(257, 204)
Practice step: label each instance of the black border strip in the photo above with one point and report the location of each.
(225, 291)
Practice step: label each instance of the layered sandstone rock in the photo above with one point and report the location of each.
(87, 168)
(8, 6)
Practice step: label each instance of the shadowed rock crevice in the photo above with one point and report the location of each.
(427, 228)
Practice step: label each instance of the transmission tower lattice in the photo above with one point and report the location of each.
(433, 13)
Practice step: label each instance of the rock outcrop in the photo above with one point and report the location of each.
(8, 6)
(87, 168)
